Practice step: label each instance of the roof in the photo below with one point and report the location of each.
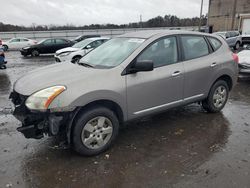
(97, 38)
(150, 33)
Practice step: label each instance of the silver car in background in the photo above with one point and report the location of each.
(233, 38)
(128, 77)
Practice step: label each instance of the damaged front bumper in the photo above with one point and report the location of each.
(37, 124)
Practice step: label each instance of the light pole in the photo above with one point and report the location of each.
(200, 15)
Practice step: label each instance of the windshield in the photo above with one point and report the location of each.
(82, 43)
(112, 53)
(221, 34)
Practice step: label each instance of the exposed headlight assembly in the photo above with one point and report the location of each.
(43, 98)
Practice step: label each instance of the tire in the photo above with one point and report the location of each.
(35, 53)
(217, 97)
(3, 67)
(237, 46)
(5, 48)
(76, 59)
(87, 139)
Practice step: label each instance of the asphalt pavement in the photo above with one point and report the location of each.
(183, 147)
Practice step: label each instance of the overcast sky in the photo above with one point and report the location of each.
(84, 12)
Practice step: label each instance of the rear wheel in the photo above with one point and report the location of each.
(76, 59)
(217, 97)
(94, 131)
(35, 53)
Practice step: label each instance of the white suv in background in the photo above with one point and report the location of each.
(78, 50)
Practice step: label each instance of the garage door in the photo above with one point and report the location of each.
(246, 26)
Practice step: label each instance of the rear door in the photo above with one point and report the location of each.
(23, 43)
(199, 66)
(156, 90)
(47, 46)
(61, 43)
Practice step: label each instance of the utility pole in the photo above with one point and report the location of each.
(200, 15)
(140, 20)
(233, 14)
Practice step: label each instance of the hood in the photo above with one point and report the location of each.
(68, 49)
(244, 57)
(65, 74)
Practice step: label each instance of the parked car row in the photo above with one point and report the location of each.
(78, 50)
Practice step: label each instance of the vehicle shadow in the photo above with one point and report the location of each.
(151, 153)
(5, 83)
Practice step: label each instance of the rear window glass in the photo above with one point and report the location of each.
(215, 43)
(194, 47)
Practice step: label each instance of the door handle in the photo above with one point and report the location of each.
(176, 73)
(213, 64)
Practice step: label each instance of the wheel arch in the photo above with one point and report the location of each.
(116, 108)
(227, 79)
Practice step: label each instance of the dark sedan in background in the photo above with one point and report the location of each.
(46, 46)
(83, 37)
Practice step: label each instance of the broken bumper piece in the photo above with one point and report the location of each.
(36, 124)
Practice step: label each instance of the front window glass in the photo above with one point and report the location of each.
(48, 42)
(61, 41)
(194, 47)
(112, 52)
(82, 44)
(163, 52)
(15, 40)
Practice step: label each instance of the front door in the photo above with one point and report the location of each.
(153, 91)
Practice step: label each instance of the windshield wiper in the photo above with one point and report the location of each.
(85, 64)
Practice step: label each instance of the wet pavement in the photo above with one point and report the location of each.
(184, 147)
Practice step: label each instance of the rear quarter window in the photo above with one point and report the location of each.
(194, 47)
(216, 44)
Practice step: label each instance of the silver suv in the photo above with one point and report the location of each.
(233, 38)
(128, 77)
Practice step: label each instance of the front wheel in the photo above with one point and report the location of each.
(217, 97)
(94, 131)
(35, 53)
(76, 59)
(3, 67)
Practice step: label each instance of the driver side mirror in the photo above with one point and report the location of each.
(141, 66)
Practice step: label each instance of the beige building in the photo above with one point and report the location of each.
(227, 15)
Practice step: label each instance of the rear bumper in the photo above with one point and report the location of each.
(36, 124)
(244, 72)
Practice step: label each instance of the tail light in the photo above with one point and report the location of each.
(235, 58)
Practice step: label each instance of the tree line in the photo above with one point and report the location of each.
(159, 21)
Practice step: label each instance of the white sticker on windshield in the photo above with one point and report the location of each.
(136, 40)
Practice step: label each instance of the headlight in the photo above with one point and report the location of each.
(65, 53)
(26, 48)
(43, 98)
